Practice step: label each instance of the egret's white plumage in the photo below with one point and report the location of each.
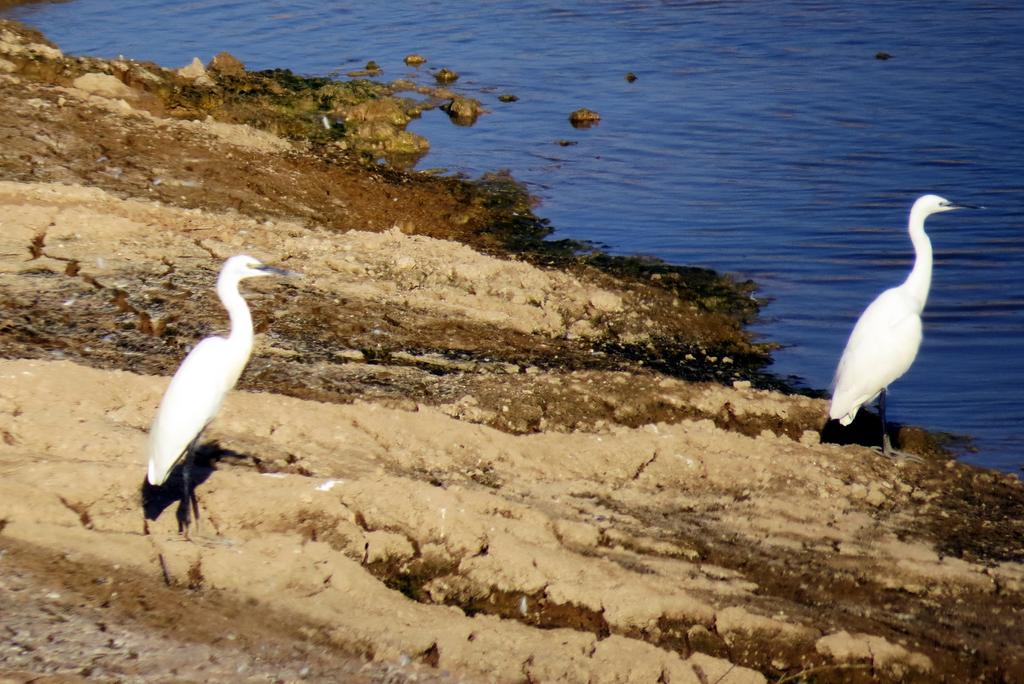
(887, 336)
(206, 375)
(882, 347)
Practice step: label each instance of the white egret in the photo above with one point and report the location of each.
(202, 380)
(887, 336)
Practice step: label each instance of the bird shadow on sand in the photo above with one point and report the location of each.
(156, 499)
(865, 430)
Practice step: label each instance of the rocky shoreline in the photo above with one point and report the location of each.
(460, 451)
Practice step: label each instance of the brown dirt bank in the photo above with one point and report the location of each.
(447, 461)
(76, 120)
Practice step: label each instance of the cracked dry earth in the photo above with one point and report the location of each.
(642, 537)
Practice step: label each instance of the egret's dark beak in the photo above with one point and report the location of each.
(276, 270)
(959, 205)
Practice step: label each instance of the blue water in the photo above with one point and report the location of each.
(760, 138)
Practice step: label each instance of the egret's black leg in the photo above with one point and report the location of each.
(143, 499)
(189, 508)
(147, 491)
(887, 449)
(886, 445)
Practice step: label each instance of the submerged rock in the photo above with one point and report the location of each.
(387, 110)
(378, 126)
(371, 69)
(463, 110)
(584, 118)
(415, 59)
(446, 76)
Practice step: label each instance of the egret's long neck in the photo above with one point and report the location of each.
(920, 279)
(238, 311)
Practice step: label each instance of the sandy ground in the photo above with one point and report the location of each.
(410, 486)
